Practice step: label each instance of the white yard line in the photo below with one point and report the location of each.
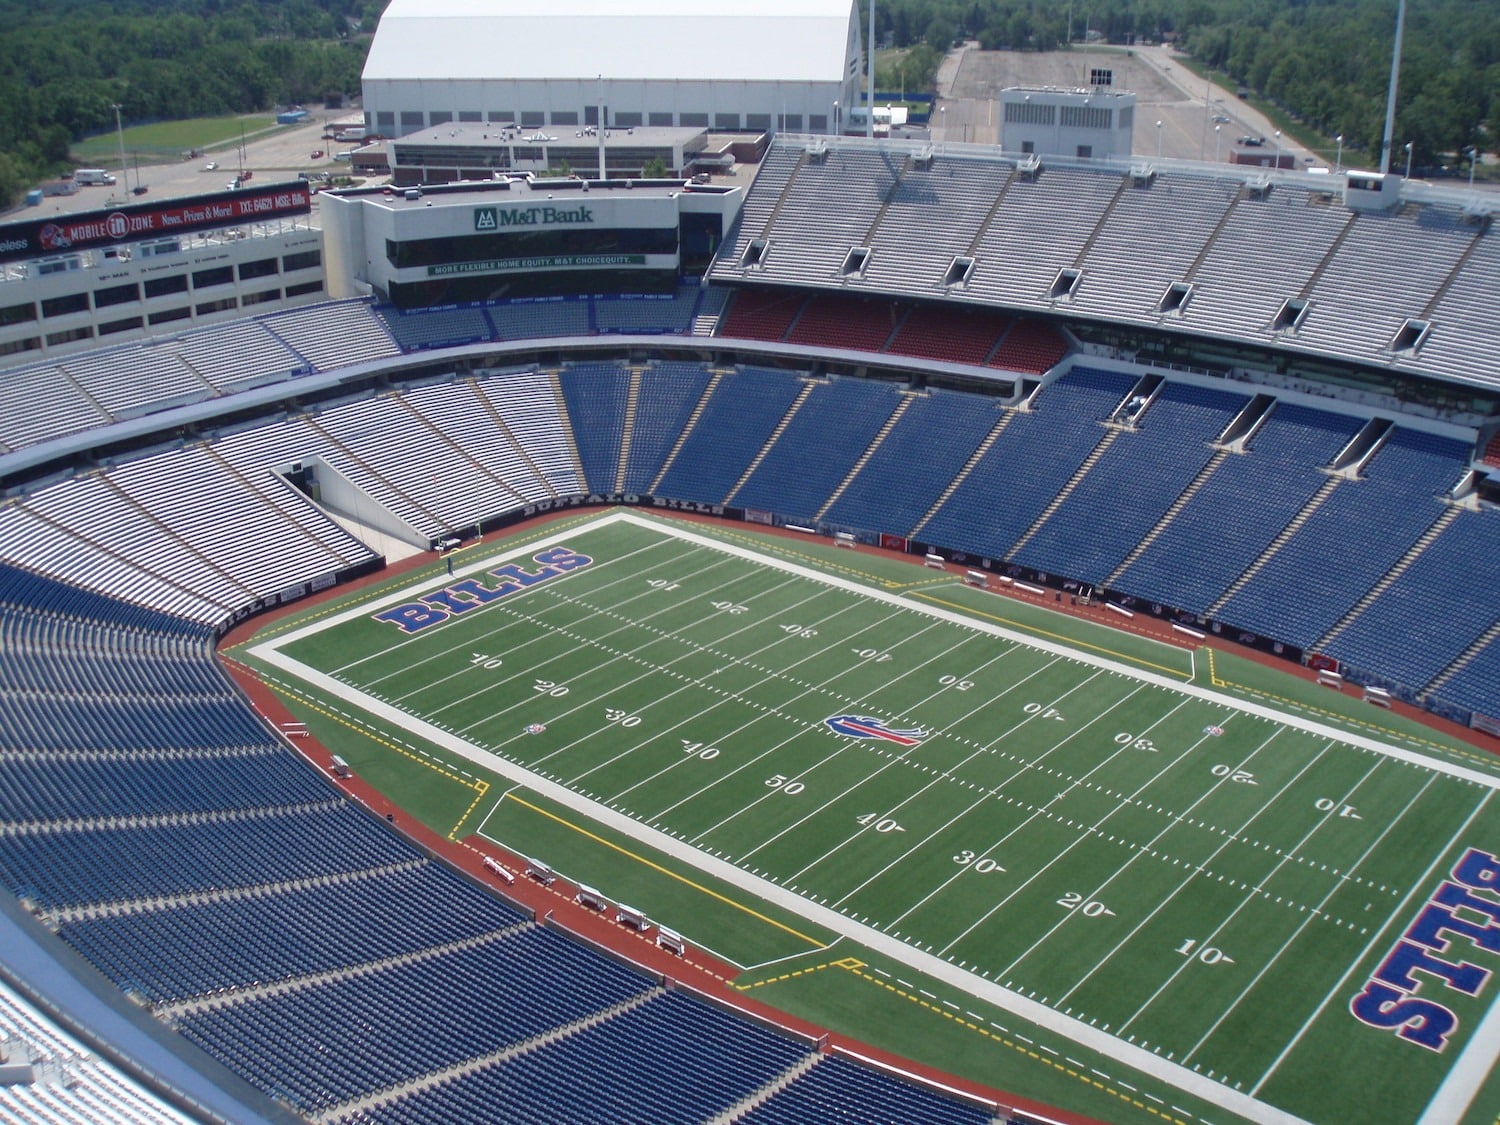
(939, 969)
(1401, 914)
(1213, 935)
(1307, 921)
(1197, 869)
(947, 773)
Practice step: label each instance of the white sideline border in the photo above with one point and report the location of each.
(1464, 1078)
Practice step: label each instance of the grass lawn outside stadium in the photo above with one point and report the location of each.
(1137, 882)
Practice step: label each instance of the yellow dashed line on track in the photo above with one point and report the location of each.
(1060, 638)
(664, 871)
(479, 786)
(1004, 1040)
(850, 963)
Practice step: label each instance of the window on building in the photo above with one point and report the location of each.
(69, 336)
(385, 121)
(18, 314)
(817, 122)
(307, 260)
(726, 121)
(412, 120)
(627, 121)
(304, 289)
(502, 116)
(67, 303)
(15, 347)
(263, 267)
(567, 117)
(659, 120)
(210, 307)
(114, 327)
(161, 286)
(116, 295)
(264, 297)
(760, 122)
(470, 115)
(166, 316)
(439, 117)
(789, 122)
(532, 119)
(694, 120)
(219, 275)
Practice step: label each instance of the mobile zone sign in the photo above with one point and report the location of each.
(93, 229)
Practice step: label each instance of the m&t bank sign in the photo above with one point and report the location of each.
(490, 219)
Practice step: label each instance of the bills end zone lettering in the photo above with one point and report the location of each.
(472, 593)
(862, 726)
(1465, 906)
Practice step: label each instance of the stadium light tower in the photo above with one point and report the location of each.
(1158, 138)
(1338, 164)
(1390, 97)
(870, 90)
(1408, 160)
(120, 133)
(1218, 136)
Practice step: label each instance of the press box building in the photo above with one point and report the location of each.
(540, 65)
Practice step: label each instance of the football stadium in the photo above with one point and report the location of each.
(924, 633)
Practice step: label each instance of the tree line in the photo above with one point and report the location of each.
(1325, 62)
(64, 66)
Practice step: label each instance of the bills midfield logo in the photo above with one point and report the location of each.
(472, 593)
(1465, 908)
(863, 726)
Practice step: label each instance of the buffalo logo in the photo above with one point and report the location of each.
(862, 726)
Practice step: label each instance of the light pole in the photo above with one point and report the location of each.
(1338, 164)
(1278, 150)
(1158, 139)
(1473, 160)
(943, 122)
(1408, 160)
(120, 133)
(835, 117)
(1218, 136)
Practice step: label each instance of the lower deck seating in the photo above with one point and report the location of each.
(1434, 610)
(1239, 510)
(1034, 456)
(736, 421)
(1128, 490)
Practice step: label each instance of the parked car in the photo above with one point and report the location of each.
(1221, 118)
(1252, 142)
(317, 154)
(211, 166)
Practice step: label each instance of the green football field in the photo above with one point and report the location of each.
(882, 780)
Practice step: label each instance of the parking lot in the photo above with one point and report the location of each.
(279, 154)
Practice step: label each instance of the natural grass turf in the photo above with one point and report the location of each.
(171, 138)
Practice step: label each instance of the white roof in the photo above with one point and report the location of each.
(701, 40)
